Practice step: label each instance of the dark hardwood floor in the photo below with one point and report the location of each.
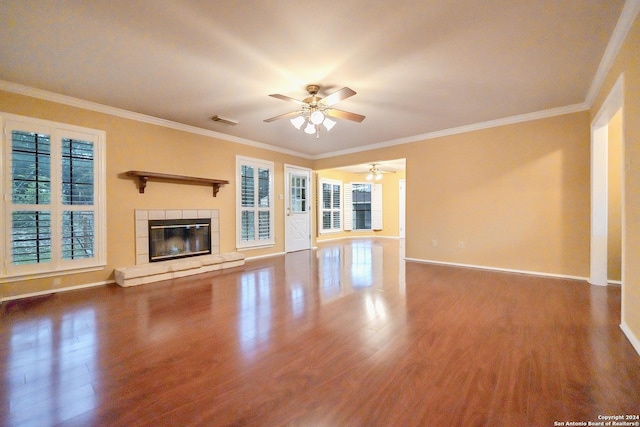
(348, 335)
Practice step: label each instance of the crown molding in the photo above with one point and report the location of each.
(118, 112)
(463, 129)
(625, 22)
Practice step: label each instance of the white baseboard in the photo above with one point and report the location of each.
(635, 342)
(503, 270)
(55, 291)
(252, 258)
(333, 239)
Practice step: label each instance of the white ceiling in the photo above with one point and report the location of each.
(418, 66)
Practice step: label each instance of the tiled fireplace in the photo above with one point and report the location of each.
(189, 242)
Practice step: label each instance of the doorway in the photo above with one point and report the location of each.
(600, 188)
(382, 212)
(297, 213)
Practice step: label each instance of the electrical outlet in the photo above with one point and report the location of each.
(434, 242)
(461, 244)
(57, 281)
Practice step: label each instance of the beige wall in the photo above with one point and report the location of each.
(517, 196)
(133, 145)
(627, 63)
(390, 204)
(614, 232)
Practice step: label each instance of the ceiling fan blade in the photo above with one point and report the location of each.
(339, 95)
(379, 170)
(339, 114)
(282, 116)
(286, 98)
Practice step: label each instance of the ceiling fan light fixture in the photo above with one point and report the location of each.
(310, 129)
(374, 173)
(312, 110)
(328, 123)
(316, 117)
(297, 122)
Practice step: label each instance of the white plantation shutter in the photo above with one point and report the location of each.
(254, 200)
(376, 207)
(348, 207)
(54, 216)
(329, 205)
(336, 205)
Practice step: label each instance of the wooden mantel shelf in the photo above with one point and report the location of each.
(143, 177)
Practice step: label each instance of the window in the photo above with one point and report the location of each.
(330, 206)
(254, 222)
(361, 213)
(54, 187)
(363, 206)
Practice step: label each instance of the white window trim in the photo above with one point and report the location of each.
(254, 244)
(57, 266)
(321, 229)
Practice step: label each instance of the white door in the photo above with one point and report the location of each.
(297, 204)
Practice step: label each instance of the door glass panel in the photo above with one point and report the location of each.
(298, 193)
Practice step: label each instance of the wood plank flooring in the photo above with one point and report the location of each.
(348, 335)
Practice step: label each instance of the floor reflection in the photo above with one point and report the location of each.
(309, 280)
(375, 307)
(330, 262)
(254, 317)
(55, 356)
(361, 274)
(359, 263)
(374, 271)
(159, 313)
(297, 277)
(297, 300)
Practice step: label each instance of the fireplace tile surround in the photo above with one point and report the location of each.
(145, 272)
(142, 217)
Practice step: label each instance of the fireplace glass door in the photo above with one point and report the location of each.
(179, 238)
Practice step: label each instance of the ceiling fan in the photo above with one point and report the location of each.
(315, 110)
(375, 172)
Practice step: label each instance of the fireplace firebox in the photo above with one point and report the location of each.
(178, 238)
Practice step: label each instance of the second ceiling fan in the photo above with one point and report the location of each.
(315, 110)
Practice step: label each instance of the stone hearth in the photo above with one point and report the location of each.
(145, 272)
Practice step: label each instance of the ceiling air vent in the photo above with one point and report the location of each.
(224, 121)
